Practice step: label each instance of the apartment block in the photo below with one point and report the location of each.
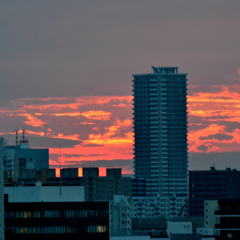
(160, 131)
(212, 184)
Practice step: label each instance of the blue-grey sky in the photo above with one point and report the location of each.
(70, 49)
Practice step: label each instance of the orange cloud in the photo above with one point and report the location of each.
(73, 103)
(212, 129)
(238, 71)
(222, 108)
(86, 123)
(35, 133)
(211, 114)
(97, 115)
(69, 137)
(73, 114)
(32, 121)
(119, 105)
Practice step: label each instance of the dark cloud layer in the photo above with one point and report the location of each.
(82, 155)
(44, 142)
(92, 145)
(202, 148)
(218, 136)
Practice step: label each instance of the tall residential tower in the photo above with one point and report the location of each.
(160, 130)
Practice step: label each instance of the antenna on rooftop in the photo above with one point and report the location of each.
(23, 131)
(153, 68)
(24, 140)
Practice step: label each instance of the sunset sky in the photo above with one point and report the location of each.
(66, 75)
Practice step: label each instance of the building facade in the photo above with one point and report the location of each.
(222, 217)
(155, 207)
(210, 206)
(160, 131)
(228, 219)
(120, 216)
(56, 220)
(138, 187)
(211, 185)
(96, 188)
(104, 188)
(41, 193)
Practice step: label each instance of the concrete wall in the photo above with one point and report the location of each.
(179, 228)
(210, 206)
(120, 216)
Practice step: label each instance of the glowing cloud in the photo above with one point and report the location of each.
(100, 128)
(32, 121)
(97, 115)
(222, 108)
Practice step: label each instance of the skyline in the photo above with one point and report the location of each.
(101, 132)
(66, 75)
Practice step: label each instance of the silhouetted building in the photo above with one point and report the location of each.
(96, 188)
(104, 188)
(160, 131)
(20, 157)
(211, 185)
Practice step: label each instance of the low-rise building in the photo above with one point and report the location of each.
(104, 188)
(56, 220)
(178, 228)
(97, 188)
(157, 227)
(211, 185)
(20, 157)
(228, 219)
(167, 207)
(210, 206)
(120, 216)
(41, 193)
